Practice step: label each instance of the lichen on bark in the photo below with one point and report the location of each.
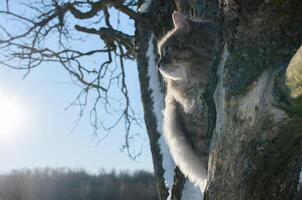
(264, 37)
(294, 80)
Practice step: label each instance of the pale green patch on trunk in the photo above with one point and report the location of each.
(294, 75)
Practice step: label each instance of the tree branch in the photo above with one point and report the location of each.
(111, 35)
(95, 7)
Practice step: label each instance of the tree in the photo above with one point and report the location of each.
(61, 184)
(253, 99)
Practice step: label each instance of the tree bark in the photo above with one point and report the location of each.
(256, 144)
(254, 101)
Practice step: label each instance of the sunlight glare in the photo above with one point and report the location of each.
(12, 117)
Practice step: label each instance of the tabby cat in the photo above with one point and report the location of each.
(185, 57)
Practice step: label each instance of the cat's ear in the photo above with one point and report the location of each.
(180, 21)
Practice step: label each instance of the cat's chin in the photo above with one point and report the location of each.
(170, 76)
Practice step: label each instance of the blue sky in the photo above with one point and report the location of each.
(46, 137)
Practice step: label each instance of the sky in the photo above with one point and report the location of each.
(47, 137)
(40, 132)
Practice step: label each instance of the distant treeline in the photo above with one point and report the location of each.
(66, 184)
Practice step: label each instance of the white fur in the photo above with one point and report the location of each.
(183, 154)
(177, 73)
(191, 192)
(158, 104)
(181, 150)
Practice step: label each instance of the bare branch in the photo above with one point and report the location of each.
(109, 35)
(95, 7)
(34, 44)
(129, 115)
(7, 6)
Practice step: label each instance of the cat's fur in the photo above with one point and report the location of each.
(185, 56)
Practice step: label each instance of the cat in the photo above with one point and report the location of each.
(185, 57)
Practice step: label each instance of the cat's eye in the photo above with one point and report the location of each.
(167, 49)
(183, 47)
(177, 54)
(163, 51)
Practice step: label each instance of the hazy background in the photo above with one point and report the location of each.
(66, 184)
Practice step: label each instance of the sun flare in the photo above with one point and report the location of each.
(11, 117)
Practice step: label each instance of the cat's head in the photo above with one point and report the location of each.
(185, 52)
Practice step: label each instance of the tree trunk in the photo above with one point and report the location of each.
(154, 22)
(254, 99)
(256, 144)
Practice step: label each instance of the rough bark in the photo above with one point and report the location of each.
(257, 141)
(253, 99)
